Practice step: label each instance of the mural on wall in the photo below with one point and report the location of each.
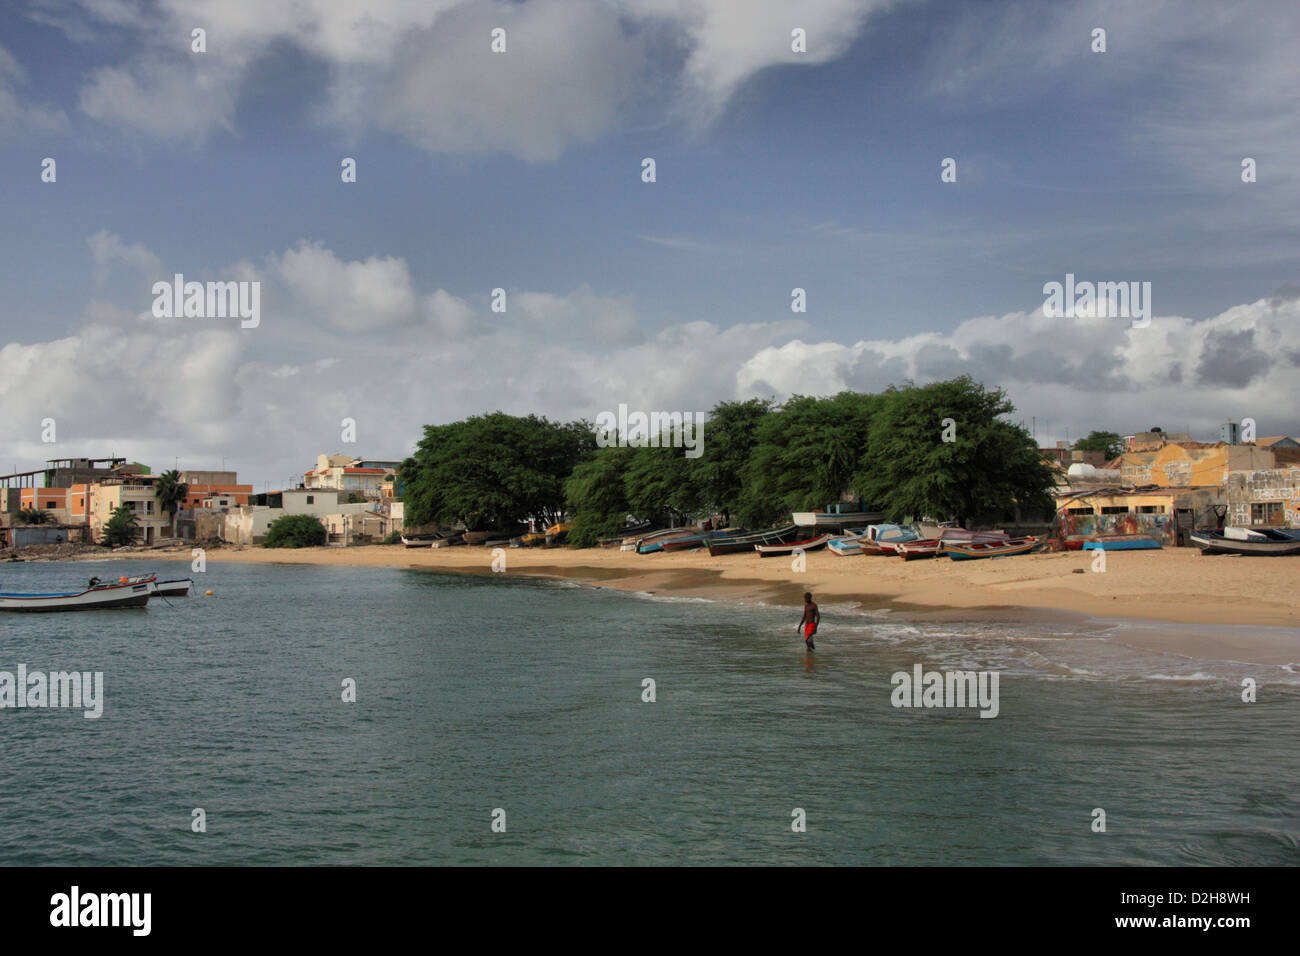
(1075, 529)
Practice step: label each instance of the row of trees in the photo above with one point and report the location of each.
(942, 450)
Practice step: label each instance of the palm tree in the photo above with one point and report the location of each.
(34, 516)
(170, 492)
(121, 528)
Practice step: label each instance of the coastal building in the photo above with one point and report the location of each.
(1168, 514)
(1189, 464)
(137, 493)
(204, 484)
(248, 524)
(1265, 497)
(361, 476)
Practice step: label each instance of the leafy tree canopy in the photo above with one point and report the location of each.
(295, 531)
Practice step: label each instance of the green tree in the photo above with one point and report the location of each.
(35, 516)
(295, 531)
(170, 492)
(1109, 442)
(121, 528)
(987, 468)
(806, 455)
(595, 496)
(660, 484)
(730, 435)
(494, 470)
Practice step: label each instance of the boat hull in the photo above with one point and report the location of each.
(745, 543)
(1123, 543)
(102, 598)
(1273, 545)
(777, 550)
(973, 550)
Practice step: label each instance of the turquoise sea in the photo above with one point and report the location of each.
(475, 694)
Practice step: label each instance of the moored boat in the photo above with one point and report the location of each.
(969, 550)
(789, 547)
(1252, 542)
(419, 540)
(745, 542)
(96, 596)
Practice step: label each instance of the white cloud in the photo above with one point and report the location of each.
(395, 358)
(354, 296)
(14, 113)
(424, 70)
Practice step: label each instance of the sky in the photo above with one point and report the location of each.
(523, 170)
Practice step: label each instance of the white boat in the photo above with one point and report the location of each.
(177, 587)
(836, 520)
(95, 597)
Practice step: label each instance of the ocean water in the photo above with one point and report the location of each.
(482, 693)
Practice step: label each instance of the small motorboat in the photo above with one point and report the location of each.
(776, 550)
(1253, 542)
(96, 596)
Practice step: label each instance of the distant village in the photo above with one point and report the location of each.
(1163, 483)
(357, 500)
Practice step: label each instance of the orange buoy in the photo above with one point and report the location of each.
(207, 594)
(122, 579)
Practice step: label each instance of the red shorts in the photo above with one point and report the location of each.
(809, 630)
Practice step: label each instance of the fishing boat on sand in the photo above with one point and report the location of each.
(969, 550)
(96, 596)
(850, 543)
(745, 542)
(884, 538)
(420, 540)
(789, 547)
(1252, 542)
(691, 542)
(1121, 542)
(933, 547)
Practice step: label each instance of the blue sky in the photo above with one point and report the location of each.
(522, 170)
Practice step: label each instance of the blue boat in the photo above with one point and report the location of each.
(1122, 542)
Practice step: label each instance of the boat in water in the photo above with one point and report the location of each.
(970, 550)
(96, 596)
(1253, 542)
(790, 547)
(743, 543)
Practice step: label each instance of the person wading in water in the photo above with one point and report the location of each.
(808, 623)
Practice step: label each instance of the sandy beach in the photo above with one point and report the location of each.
(1173, 585)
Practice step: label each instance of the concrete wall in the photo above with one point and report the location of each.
(1245, 488)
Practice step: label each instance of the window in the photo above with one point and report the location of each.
(1114, 511)
(1079, 511)
(1152, 510)
(311, 499)
(1267, 512)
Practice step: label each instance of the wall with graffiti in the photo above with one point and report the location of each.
(1076, 527)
